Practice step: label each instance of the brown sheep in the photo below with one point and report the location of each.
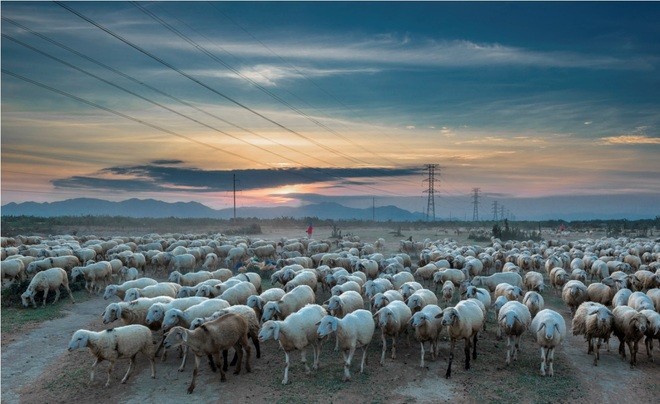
(629, 327)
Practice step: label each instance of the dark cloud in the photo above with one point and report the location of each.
(166, 162)
(161, 177)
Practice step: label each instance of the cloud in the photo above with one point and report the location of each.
(269, 75)
(630, 140)
(159, 177)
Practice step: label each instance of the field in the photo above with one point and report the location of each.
(36, 366)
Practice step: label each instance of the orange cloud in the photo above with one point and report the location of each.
(630, 139)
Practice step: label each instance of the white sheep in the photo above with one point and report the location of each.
(511, 292)
(50, 279)
(594, 321)
(378, 285)
(629, 327)
(156, 312)
(447, 291)
(345, 303)
(97, 272)
(381, 300)
(491, 282)
(558, 278)
(257, 302)
(133, 312)
(421, 298)
(13, 269)
(550, 330)
(116, 343)
(128, 274)
(621, 297)
(450, 274)
(169, 289)
(184, 318)
(514, 319)
(345, 287)
(289, 303)
(211, 291)
(304, 277)
(579, 275)
(425, 273)
(654, 294)
(297, 331)
(574, 293)
(222, 274)
(652, 331)
(183, 263)
(481, 294)
(353, 331)
(427, 328)
(120, 290)
(239, 293)
(534, 281)
(534, 302)
(399, 278)
(393, 320)
(601, 293)
(463, 321)
(640, 301)
(190, 278)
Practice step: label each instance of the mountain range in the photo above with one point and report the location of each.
(159, 209)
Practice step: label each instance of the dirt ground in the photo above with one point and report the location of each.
(38, 368)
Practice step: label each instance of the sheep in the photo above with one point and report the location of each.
(574, 293)
(378, 285)
(427, 328)
(222, 274)
(392, 319)
(509, 291)
(252, 277)
(652, 331)
(579, 275)
(250, 317)
(66, 262)
(50, 279)
(116, 343)
(257, 302)
(156, 312)
(189, 279)
(447, 291)
(621, 297)
(120, 290)
(481, 294)
(534, 281)
(463, 321)
(593, 320)
(550, 330)
(183, 263)
(640, 301)
(425, 273)
(599, 269)
(345, 303)
(646, 279)
(601, 293)
(297, 331)
(184, 317)
(214, 290)
(491, 282)
(450, 274)
(514, 319)
(13, 269)
(303, 278)
(399, 278)
(345, 287)
(409, 288)
(211, 262)
(239, 293)
(160, 289)
(421, 298)
(99, 271)
(128, 274)
(558, 278)
(629, 327)
(38, 266)
(353, 331)
(654, 294)
(473, 267)
(534, 302)
(211, 338)
(289, 303)
(133, 312)
(381, 300)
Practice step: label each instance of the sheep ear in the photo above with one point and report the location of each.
(376, 314)
(543, 326)
(557, 327)
(184, 336)
(276, 331)
(439, 315)
(334, 324)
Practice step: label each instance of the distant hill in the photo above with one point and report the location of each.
(159, 209)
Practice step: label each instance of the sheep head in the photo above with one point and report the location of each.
(80, 339)
(326, 326)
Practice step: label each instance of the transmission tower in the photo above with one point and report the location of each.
(475, 202)
(502, 217)
(495, 211)
(430, 205)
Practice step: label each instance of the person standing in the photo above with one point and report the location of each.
(309, 231)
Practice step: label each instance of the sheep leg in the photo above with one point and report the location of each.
(183, 362)
(648, 342)
(70, 294)
(551, 358)
(597, 352)
(451, 357)
(255, 342)
(364, 358)
(286, 368)
(632, 347)
(394, 346)
(508, 350)
(110, 368)
(96, 362)
(45, 296)
(191, 387)
(467, 353)
(317, 355)
(516, 340)
(622, 348)
(543, 358)
(421, 363)
(239, 353)
(303, 359)
(211, 363)
(347, 364)
(225, 364)
(474, 346)
(57, 295)
(130, 367)
(382, 355)
(248, 352)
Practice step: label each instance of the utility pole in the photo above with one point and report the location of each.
(430, 204)
(475, 202)
(495, 211)
(234, 197)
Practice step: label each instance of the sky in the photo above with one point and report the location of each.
(549, 109)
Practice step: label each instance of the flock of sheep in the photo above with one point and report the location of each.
(213, 300)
